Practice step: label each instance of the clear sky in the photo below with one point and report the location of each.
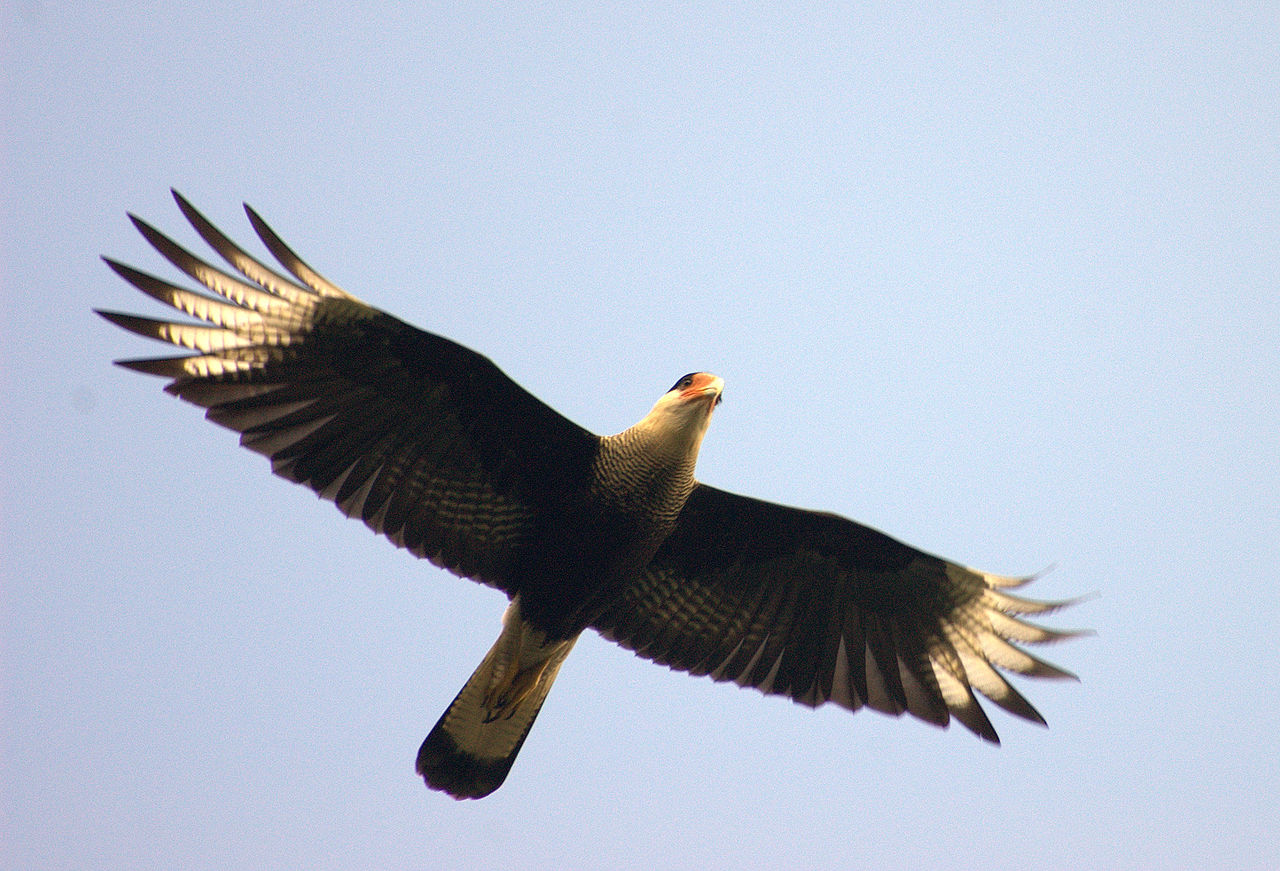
(1001, 282)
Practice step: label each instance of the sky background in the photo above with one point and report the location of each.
(1000, 281)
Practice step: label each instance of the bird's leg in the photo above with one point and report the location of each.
(525, 661)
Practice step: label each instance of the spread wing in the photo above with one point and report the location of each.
(426, 441)
(818, 608)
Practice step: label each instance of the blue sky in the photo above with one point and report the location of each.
(1000, 281)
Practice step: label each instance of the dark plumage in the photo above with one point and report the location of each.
(431, 445)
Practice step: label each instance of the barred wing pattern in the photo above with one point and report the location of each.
(426, 441)
(818, 608)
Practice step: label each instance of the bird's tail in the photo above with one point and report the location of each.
(471, 748)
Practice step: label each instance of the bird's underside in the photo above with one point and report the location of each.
(432, 446)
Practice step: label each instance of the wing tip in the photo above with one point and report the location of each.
(139, 326)
(162, 367)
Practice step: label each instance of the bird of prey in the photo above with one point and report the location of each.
(432, 446)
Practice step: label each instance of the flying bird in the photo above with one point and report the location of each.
(433, 447)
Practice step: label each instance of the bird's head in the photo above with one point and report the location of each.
(681, 416)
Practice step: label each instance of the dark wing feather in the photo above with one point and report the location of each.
(818, 608)
(426, 441)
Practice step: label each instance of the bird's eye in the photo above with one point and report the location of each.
(686, 381)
